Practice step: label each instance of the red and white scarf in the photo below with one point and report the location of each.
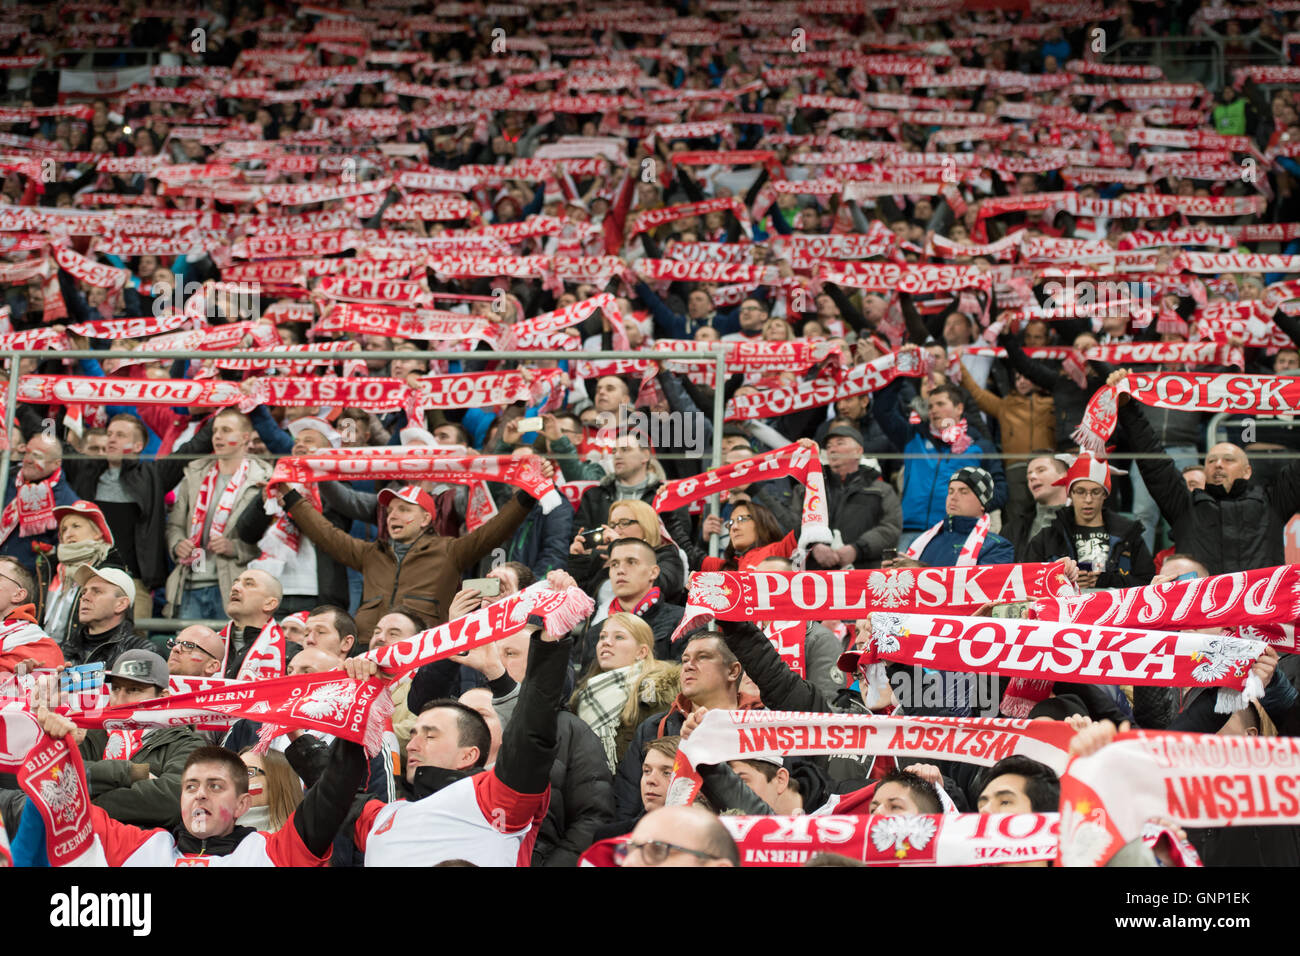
(329, 702)
(224, 505)
(791, 461)
(933, 839)
(1197, 780)
(1087, 654)
(790, 639)
(970, 551)
(559, 611)
(956, 435)
(52, 775)
(32, 510)
(419, 464)
(79, 390)
(1188, 391)
(850, 595)
(1253, 598)
(745, 735)
(800, 396)
(123, 744)
(265, 658)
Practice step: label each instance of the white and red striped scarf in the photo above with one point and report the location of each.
(224, 505)
(266, 658)
(970, 550)
(559, 611)
(868, 377)
(32, 510)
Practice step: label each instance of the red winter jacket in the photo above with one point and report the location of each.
(43, 650)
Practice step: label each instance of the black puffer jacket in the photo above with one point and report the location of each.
(582, 796)
(1226, 529)
(1129, 563)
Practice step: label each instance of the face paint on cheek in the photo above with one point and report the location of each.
(254, 789)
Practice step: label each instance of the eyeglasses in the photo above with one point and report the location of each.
(1088, 493)
(622, 524)
(256, 772)
(11, 581)
(190, 647)
(739, 519)
(655, 852)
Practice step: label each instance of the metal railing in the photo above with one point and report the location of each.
(1185, 59)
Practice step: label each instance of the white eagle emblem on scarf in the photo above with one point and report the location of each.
(886, 629)
(1222, 655)
(1084, 839)
(709, 590)
(891, 589)
(328, 701)
(60, 794)
(903, 832)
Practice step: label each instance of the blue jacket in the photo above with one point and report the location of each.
(945, 547)
(926, 475)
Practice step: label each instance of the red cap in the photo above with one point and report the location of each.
(87, 509)
(411, 494)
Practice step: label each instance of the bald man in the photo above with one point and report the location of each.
(196, 651)
(314, 660)
(1233, 523)
(254, 596)
(680, 836)
(28, 518)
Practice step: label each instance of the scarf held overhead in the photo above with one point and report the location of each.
(1188, 391)
(850, 595)
(747, 735)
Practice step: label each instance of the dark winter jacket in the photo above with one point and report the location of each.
(82, 647)
(1129, 564)
(945, 547)
(582, 796)
(1226, 529)
(866, 511)
(331, 576)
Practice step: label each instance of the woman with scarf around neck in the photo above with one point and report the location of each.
(624, 685)
(84, 538)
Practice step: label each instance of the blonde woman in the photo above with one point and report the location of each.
(628, 518)
(275, 788)
(625, 684)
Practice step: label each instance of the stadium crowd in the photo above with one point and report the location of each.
(988, 300)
